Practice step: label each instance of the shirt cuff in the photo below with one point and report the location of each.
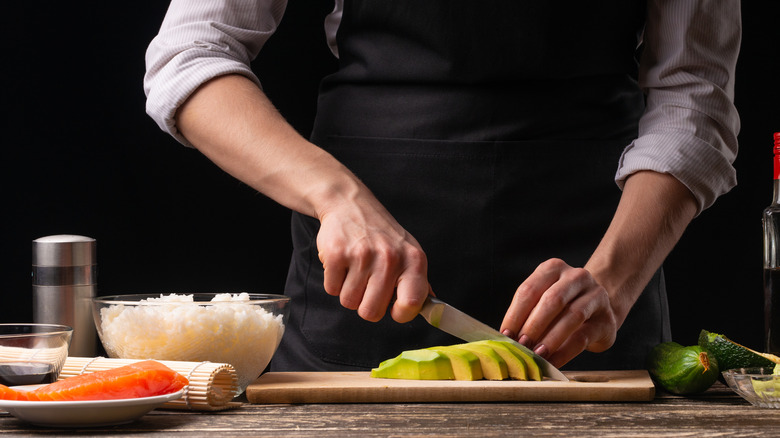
(672, 152)
(169, 87)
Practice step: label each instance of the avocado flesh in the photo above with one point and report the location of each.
(416, 365)
(465, 364)
(767, 389)
(493, 360)
(515, 365)
(533, 370)
(493, 365)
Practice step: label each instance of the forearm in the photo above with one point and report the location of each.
(231, 121)
(652, 215)
(368, 258)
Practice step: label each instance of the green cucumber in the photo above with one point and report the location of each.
(682, 370)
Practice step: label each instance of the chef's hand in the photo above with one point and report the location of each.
(369, 260)
(560, 311)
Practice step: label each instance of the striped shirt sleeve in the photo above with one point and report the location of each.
(690, 126)
(200, 40)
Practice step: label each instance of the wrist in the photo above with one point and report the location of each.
(653, 212)
(334, 189)
(623, 286)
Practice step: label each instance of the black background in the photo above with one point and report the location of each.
(80, 156)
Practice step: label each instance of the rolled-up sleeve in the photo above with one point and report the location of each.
(690, 125)
(198, 41)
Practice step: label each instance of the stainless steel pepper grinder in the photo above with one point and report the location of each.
(64, 281)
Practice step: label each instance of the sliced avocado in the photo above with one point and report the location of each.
(493, 365)
(532, 368)
(416, 365)
(533, 371)
(767, 389)
(515, 365)
(465, 364)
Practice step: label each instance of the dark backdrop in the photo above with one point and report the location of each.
(80, 156)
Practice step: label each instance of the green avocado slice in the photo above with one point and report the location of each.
(533, 372)
(465, 364)
(416, 365)
(515, 365)
(532, 368)
(493, 365)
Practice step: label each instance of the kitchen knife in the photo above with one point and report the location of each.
(451, 320)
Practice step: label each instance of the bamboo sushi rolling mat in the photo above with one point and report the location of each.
(212, 385)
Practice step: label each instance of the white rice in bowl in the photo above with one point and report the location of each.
(176, 327)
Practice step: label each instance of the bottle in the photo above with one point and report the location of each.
(64, 281)
(771, 223)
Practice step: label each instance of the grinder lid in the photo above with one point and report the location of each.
(64, 250)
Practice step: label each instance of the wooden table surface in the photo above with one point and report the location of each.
(716, 413)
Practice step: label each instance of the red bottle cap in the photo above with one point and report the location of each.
(776, 150)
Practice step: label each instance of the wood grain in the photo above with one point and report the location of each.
(717, 413)
(358, 387)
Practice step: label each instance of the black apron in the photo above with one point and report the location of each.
(491, 131)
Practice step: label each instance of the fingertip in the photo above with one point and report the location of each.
(525, 340)
(542, 350)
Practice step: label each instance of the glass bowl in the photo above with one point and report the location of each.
(242, 329)
(756, 385)
(32, 354)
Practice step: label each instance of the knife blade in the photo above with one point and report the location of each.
(451, 320)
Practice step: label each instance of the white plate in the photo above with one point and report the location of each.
(88, 413)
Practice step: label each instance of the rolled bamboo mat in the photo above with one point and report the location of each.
(212, 385)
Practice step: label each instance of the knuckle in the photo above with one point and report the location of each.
(524, 290)
(553, 264)
(554, 299)
(361, 252)
(349, 301)
(582, 277)
(578, 314)
(387, 255)
(411, 301)
(416, 258)
(578, 340)
(601, 345)
(579, 274)
(333, 257)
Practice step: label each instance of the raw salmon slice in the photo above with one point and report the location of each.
(141, 379)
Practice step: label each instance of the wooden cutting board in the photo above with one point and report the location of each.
(358, 387)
